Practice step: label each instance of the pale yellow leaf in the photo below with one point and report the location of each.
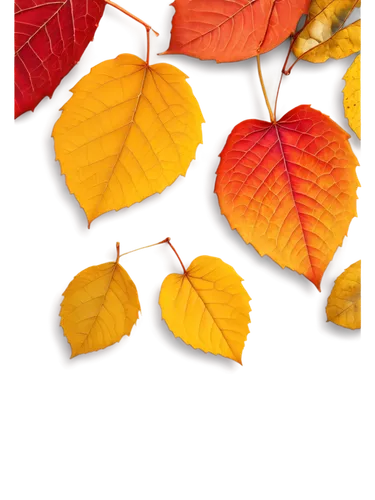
(207, 307)
(344, 303)
(352, 96)
(325, 35)
(128, 131)
(100, 306)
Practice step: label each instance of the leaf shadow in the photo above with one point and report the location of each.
(62, 346)
(247, 251)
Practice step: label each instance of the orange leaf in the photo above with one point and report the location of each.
(289, 188)
(232, 31)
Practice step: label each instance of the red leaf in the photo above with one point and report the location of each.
(50, 38)
(289, 188)
(228, 31)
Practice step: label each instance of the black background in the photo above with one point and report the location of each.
(285, 319)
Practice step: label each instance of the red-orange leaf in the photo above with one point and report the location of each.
(289, 188)
(232, 30)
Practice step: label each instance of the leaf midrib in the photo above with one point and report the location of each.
(186, 275)
(293, 197)
(232, 17)
(129, 125)
(102, 304)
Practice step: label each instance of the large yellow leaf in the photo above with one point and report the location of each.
(324, 35)
(100, 306)
(352, 95)
(128, 131)
(207, 307)
(344, 303)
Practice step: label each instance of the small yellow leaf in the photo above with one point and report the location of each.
(344, 303)
(324, 35)
(128, 131)
(207, 307)
(352, 96)
(100, 306)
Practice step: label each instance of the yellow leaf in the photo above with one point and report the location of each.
(207, 307)
(128, 131)
(352, 96)
(100, 306)
(324, 35)
(344, 303)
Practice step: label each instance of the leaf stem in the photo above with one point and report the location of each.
(148, 45)
(113, 4)
(144, 247)
(264, 90)
(132, 16)
(293, 38)
(118, 251)
(176, 254)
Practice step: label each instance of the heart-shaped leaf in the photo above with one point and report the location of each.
(100, 306)
(128, 132)
(207, 307)
(289, 188)
(229, 31)
(50, 38)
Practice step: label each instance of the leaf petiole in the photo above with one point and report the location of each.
(116, 6)
(132, 16)
(264, 90)
(142, 248)
(175, 251)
